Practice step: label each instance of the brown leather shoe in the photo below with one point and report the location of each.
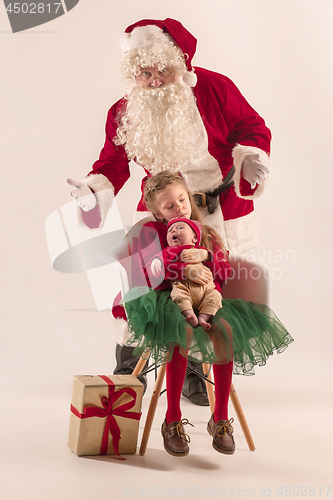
(222, 431)
(175, 439)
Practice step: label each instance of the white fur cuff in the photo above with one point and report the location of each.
(120, 329)
(238, 153)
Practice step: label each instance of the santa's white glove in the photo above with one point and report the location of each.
(83, 195)
(156, 266)
(253, 170)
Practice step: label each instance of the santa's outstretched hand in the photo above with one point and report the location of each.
(253, 170)
(83, 195)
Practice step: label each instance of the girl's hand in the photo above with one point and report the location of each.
(194, 255)
(198, 273)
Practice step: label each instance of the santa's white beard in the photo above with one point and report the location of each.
(160, 127)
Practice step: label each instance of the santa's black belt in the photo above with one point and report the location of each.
(209, 200)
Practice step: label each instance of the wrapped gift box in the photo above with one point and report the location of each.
(105, 414)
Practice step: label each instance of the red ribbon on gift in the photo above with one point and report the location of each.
(109, 411)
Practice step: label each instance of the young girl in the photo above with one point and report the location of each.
(241, 336)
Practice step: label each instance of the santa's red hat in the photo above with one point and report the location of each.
(148, 35)
(194, 224)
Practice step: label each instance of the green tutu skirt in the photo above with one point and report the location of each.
(241, 331)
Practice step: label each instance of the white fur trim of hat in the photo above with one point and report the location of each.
(144, 37)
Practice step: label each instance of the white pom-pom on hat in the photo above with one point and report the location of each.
(190, 78)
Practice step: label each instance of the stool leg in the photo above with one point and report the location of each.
(241, 418)
(152, 409)
(139, 367)
(209, 387)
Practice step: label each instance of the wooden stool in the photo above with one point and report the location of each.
(211, 397)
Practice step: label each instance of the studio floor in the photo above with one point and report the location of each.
(290, 419)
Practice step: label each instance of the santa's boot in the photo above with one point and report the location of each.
(194, 387)
(126, 363)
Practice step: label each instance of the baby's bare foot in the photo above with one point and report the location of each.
(190, 317)
(203, 318)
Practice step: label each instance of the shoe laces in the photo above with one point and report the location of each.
(225, 428)
(179, 429)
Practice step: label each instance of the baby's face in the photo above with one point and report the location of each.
(180, 233)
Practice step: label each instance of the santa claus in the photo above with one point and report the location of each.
(186, 119)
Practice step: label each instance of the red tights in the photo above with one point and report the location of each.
(175, 375)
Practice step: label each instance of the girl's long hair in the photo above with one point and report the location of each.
(210, 239)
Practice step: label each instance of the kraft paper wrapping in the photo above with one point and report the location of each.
(87, 433)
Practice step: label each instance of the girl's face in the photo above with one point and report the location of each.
(172, 202)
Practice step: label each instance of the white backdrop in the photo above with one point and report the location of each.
(57, 83)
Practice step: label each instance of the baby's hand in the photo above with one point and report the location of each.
(198, 273)
(156, 266)
(194, 255)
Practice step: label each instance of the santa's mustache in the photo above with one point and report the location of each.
(163, 95)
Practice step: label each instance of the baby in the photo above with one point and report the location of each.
(183, 234)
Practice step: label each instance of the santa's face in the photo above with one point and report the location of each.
(172, 202)
(153, 77)
(180, 233)
(161, 124)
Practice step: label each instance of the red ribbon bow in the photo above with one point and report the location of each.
(109, 411)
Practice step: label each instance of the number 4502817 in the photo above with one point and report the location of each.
(33, 8)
